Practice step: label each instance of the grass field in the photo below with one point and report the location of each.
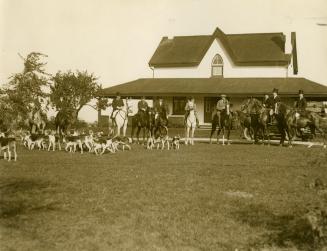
(204, 197)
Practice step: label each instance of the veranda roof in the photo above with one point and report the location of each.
(215, 86)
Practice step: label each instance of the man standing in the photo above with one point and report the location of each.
(190, 105)
(221, 106)
(274, 103)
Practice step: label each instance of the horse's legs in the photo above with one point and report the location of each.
(213, 129)
(138, 134)
(218, 132)
(223, 129)
(187, 131)
(124, 128)
(192, 135)
(132, 132)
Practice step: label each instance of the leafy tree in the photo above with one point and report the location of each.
(71, 91)
(27, 90)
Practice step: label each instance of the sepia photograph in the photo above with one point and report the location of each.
(187, 125)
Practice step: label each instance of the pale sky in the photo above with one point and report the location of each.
(115, 39)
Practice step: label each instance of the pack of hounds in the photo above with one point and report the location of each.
(96, 143)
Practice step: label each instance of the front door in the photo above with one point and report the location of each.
(209, 106)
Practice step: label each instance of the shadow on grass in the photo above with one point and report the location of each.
(277, 230)
(22, 196)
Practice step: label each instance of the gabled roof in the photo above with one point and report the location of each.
(256, 49)
(214, 86)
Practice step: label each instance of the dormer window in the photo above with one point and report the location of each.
(217, 66)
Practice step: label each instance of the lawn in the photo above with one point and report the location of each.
(202, 197)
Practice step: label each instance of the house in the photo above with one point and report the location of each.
(205, 66)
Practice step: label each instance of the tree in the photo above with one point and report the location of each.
(27, 90)
(71, 91)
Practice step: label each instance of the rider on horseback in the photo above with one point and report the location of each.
(190, 105)
(274, 102)
(117, 104)
(301, 103)
(142, 105)
(220, 108)
(161, 111)
(267, 104)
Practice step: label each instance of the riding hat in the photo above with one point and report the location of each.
(223, 95)
(275, 90)
(301, 92)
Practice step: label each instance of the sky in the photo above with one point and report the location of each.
(115, 39)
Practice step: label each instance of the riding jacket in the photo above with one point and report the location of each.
(161, 107)
(221, 104)
(142, 105)
(274, 102)
(301, 104)
(267, 103)
(190, 106)
(117, 103)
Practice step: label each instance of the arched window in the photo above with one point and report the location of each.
(217, 66)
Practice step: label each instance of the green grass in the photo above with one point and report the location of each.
(204, 197)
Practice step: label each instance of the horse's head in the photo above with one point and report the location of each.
(254, 106)
(282, 108)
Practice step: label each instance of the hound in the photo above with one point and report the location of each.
(53, 139)
(8, 145)
(36, 139)
(72, 142)
(121, 141)
(104, 144)
(157, 141)
(175, 142)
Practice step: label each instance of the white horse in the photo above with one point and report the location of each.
(121, 118)
(190, 128)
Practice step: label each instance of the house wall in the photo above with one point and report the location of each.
(203, 70)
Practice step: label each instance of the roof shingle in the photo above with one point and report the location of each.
(244, 49)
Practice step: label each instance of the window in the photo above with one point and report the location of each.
(179, 105)
(217, 66)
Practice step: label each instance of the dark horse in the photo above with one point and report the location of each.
(296, 122)
(64, 119)
(244, 123)
(259, 116)
(226, 121)
(143, 120)
(283, 115)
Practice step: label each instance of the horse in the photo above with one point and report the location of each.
(143, 120)
(190, 126)
(64, 119)
(296, 122)
(283, 115)
(161, 121)
(259, 116)
(36, 121)
(244, 123)
(120, 117)
(226, 121)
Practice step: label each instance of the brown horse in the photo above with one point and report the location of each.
(64, 119)
(143, 120)
(296, 122)
(259, 117)
(226, 122)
